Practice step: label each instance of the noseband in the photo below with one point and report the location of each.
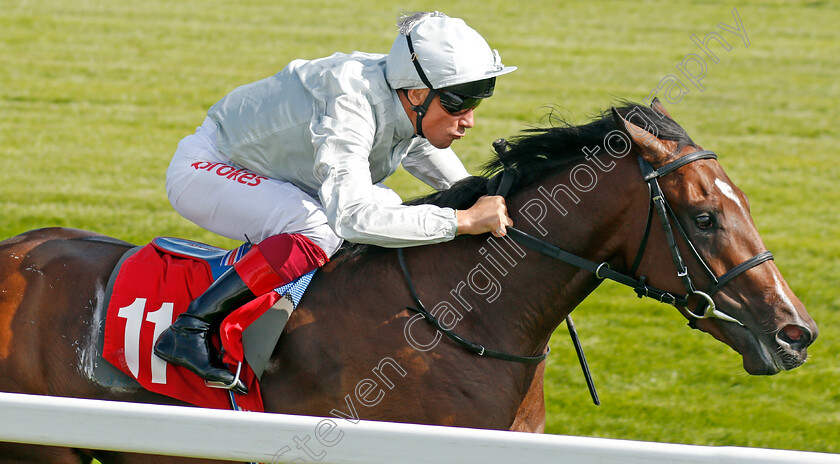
(706, 309)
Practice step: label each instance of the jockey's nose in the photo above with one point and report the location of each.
(467, 119)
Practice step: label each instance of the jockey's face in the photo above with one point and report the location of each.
(440, 127)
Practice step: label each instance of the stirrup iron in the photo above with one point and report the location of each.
(235, 385)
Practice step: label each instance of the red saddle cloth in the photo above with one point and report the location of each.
(150, 291)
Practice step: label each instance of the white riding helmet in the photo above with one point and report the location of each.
(445, 55)
(447, 50)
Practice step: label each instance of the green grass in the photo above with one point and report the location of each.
(95, 95)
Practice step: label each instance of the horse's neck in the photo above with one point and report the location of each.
(516, 297)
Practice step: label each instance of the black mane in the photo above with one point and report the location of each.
(536, 153)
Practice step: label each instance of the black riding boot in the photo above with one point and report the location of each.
(187, 341)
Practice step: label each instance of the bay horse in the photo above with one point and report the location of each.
(629, 191)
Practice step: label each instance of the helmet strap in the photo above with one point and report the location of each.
(424, 107)
(420, 109)
(416, 62)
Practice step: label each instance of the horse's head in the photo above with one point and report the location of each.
(736, 292)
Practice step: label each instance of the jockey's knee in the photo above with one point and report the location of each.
(297, 250)
(326, 239)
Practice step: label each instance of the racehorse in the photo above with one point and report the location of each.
(628, 196)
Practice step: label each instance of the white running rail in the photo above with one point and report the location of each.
(275, 438)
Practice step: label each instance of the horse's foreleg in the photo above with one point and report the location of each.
(530, 417)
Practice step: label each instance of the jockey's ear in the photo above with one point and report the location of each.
(416, 97)
(657, 106)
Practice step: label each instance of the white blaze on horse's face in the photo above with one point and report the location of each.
(727, 190)
(781, 292)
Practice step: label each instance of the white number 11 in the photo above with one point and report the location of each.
(133, 314)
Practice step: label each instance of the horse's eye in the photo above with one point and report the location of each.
(704, 221)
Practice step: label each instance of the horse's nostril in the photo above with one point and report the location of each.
(793, 332)
(797, 337)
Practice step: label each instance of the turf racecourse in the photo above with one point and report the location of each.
(95, 95)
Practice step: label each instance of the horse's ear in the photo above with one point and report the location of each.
(644, 142)
(657, 106)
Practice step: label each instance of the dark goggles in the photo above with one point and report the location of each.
(461, 98)
(455, 104)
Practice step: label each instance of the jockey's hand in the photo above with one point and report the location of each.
(488, 214)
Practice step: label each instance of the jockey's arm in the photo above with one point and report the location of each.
(440, 169)
(342, 167)
(437, 168)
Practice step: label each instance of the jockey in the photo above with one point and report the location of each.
(295, 163)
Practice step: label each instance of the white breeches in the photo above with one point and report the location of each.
(205, 187)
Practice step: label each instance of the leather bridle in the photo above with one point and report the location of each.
(501, 183)
(706, 309)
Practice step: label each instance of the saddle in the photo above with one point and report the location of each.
(150, 287)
